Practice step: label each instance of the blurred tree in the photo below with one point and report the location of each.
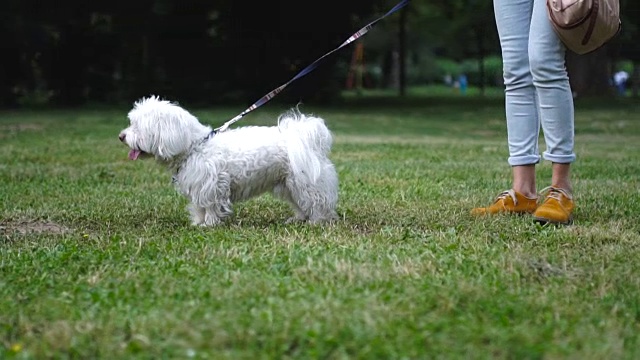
(470, 32)
(458, 29)
(205, 51)
(25, 40)
(218, 51)
(11, 30)
(276, 41)
(591, 74)
(626, 45)
(71, 50)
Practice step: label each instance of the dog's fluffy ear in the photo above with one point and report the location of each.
(169, 135)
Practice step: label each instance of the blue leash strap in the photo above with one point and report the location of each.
(309, 68)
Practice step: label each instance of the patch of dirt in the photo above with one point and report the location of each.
(32, 227)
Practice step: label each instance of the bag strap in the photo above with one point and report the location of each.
(592, 22)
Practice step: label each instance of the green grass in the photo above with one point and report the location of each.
(98, 260)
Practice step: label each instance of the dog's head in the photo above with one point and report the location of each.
(160, 128)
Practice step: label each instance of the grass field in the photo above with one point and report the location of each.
(98, 260)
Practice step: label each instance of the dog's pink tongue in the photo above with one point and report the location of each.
(133, 154)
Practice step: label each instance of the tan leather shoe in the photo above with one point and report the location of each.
(509, 201)
(557, 207)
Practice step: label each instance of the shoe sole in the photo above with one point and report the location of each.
(545, 221)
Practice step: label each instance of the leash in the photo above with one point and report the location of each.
(307, 70)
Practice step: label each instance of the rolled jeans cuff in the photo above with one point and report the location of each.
(561, 159)
(521, 160)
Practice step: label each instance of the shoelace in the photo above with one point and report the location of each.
(554, 193)
(506, 193)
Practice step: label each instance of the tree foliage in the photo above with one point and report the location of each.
(209, 51)
(216, 51)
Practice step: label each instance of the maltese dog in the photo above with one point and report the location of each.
(213, 170)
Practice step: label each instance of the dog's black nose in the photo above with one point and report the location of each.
(122, 136)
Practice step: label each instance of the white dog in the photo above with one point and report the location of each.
(214, 170)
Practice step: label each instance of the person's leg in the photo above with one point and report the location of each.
(547, 59)
(550, 78)
(524, 180)
(561, 176)
(513, 19)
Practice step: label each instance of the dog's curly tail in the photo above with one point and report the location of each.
(308, 141)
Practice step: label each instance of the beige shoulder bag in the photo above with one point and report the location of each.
(585, 25)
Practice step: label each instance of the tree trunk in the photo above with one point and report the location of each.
(590, 74)
(635, 79)
(394, 71)
(481, 56)
(402, 34)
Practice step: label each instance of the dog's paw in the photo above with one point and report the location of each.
(295, 219)
(329, 219)
(206, 223)
(322, 221)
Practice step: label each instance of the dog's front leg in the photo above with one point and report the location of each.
(211, 218)
(197, 214)
(204, 216)
(214, 215)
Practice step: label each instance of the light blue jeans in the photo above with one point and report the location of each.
(537, 87)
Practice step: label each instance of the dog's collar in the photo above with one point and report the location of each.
(209, 136)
